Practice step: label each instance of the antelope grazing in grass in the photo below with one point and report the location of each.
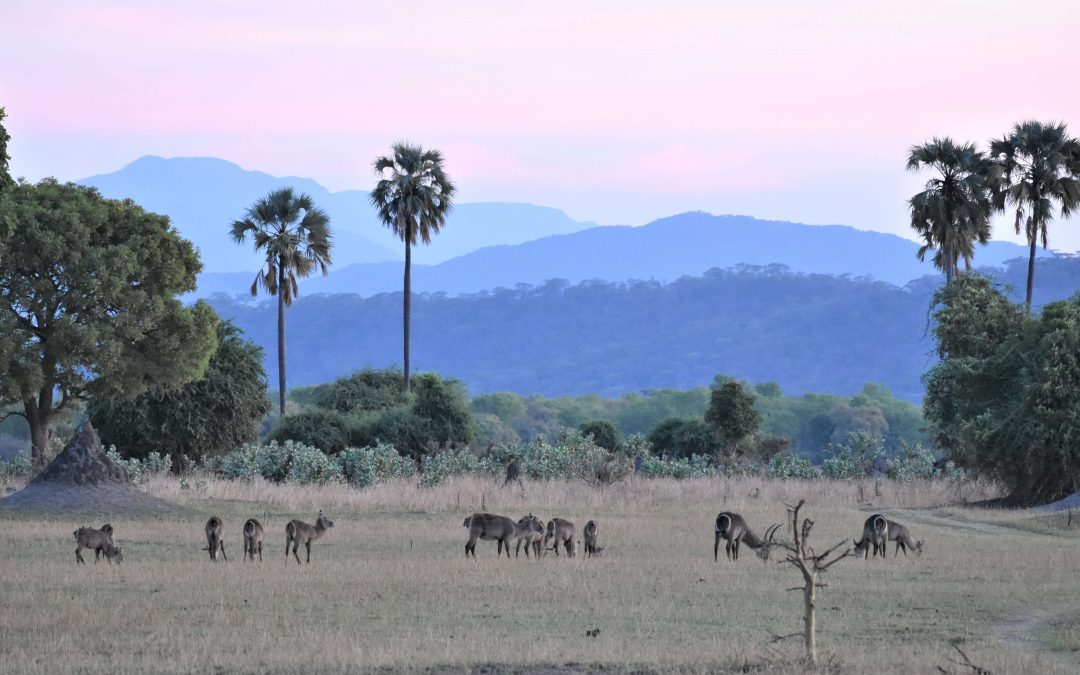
(875, 537)
(903, 539)
(592, 534)
(500, 528)
(559, 531)
(534, 539)
(733, 529)
(298, 532)
(253, 539)
(101, 541)
(214, 543)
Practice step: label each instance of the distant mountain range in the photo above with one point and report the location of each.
(203, 196)
(490, 245)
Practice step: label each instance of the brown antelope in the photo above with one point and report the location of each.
(298, 532)
(559, 531)
(903, 539)
(253, 539)
(733, 529)
(214, 543)
(875, 534)
(100, 541)
(534, 539)
(500, 528)
(592, 534)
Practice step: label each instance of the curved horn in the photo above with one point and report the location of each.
(770, 533)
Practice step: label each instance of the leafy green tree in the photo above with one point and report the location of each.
(327, 430)
(1039, 165)
(413, 197)
(679, 437)
(204, 418)
(295, 236)
(1009, 407)
(732, 415)
(364, 391)
(953, 212)
(603, 433)
(6, 182)
(442, 404)
(88, 304)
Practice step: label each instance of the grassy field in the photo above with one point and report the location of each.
(389, 586)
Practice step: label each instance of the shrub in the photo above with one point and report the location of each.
(438, 466)
(16, 467)
(310, 465)
(855, 458)
(326, 430)
(603, 434)
(695, 466)
(140, 471)
(679, 437)
(787, 465)
(913, 461)
(367, 466)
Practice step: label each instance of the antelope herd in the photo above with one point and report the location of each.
(877, 532)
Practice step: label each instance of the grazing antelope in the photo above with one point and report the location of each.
(99, 540)
(534, 539)
(500, 528)
(903, 539)
(875, 534)
(298, 532)
(559, 531)
(107, 529)
(733, 529)
(253, 539)
(214, 543)
(592, 534)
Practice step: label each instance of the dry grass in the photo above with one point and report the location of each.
(389, 585)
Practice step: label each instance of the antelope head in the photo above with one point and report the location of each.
(765, 549)
(860, 548)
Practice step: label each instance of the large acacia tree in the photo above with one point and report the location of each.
(953, 212)
(1039, 166)
(88, 303)
(413, 197)
(295, 237)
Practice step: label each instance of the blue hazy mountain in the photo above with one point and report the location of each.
(664, 250)
(203, 196)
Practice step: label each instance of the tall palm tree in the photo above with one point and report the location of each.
(413, 197)
(1038, 165)
(953, 212)
(295, 236)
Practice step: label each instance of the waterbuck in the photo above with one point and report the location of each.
(500, 528)
(592, 534)
(875, 534)
(298, 532)
(534, 539)
(559, 531)
(733, 529)
(903, 539)
(214, 543)
(100, 541)
(253, 539)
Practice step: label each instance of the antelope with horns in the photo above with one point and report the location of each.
(875, 534)
(298, 532)
(592, 537)
(253, 539)
(99, 540)
(500, 528)
(559, 531)
(534, 539)
(214, 543)
(733, 529)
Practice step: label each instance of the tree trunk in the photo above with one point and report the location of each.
(810, 620)
(39, 418)
(408, 306)
(950, 265)
(281, 340)
(1031, 272)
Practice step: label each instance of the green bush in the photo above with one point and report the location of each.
(367, 466)
(438, 466)
(310, 465)
(695, 466)
(856, 457)
(913, 461)
(603, 434)
(140, 471)
(16, 467)
(326, 430)
(787, 465)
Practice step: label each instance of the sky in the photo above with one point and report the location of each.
(615, 111)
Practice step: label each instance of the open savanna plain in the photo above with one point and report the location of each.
(389, 587)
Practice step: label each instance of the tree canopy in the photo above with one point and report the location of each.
(732, 415)
(88, 302)
(206, 417)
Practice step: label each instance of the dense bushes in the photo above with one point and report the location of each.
(327, 430)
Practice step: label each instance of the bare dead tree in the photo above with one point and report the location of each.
(967, 663)
(802, 557)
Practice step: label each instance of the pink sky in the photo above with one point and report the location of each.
(615, 111)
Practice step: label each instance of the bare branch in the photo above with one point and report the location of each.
(778, 638)
(9, 414)
(834, 561)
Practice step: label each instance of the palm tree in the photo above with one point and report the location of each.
(1038, 165)
(953, 212)
(295, 235)
(413, 197)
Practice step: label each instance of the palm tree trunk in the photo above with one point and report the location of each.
(281, 339)
(408, 305)
(950, 265)
(1031, 273)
